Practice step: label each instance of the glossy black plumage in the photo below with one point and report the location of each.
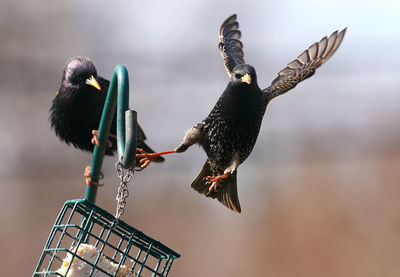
(76, 110)
(230, 131)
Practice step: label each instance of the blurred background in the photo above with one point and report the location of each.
(320, 191)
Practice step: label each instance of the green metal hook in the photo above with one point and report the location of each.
(126, 128)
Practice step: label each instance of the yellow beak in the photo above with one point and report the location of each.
(246, 79)
(93, 82)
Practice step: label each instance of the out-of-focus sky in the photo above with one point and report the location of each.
(319, 192)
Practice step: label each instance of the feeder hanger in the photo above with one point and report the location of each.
(126, 128)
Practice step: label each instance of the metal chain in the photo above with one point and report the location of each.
(125, 175)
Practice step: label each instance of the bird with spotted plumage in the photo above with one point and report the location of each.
(76, 110)
(230, 131)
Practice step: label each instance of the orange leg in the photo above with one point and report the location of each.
(95, 139)
(148, 157)
(216, 180)
(89, 181)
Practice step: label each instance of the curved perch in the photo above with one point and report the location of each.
(126, 128)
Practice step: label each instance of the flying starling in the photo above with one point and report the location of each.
(229, 132)
(77, 108)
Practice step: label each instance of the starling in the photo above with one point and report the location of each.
(229, 132)
(77, 108)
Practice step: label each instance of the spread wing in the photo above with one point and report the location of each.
(229, 44)
(305, 64)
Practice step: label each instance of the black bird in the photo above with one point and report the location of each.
(230, 131)
(77, 108)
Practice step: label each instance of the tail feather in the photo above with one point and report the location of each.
(227, 195)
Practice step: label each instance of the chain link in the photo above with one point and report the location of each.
(125, 175)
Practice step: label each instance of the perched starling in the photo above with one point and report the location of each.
(229, 132)
(77, 108)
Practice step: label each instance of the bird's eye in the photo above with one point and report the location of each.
(238, 76)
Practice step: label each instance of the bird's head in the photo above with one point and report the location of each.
(244, 75)
(80, 72)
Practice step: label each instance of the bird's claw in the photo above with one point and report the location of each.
(95, 140)
(88, 178)
(215, 182)
(146, 158)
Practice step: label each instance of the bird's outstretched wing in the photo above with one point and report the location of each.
(229, 44)
(305, 64)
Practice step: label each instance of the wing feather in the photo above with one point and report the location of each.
(229, 45)
(305, 64)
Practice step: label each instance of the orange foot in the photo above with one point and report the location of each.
(95, 139)
(148, 157)
(88, 178)
(215, 181)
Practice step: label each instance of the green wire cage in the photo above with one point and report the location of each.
(88, 241)
(120, 250)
